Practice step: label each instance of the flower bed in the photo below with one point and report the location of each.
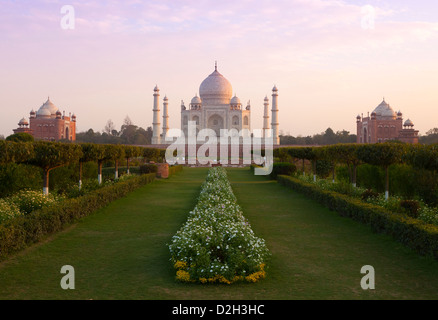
(217, 244)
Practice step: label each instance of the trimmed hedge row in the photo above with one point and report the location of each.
(21, 232)
(175, 169)
(413, 233)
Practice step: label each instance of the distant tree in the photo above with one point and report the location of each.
(432, 131)
(149, 134)
(127, 122)
(110, 127)
(329, 137)
(431, 137)
(345, 137)
(325, 138)
(128, 133)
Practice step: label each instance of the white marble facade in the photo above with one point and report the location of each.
(215, 108)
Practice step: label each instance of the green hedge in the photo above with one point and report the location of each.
(21, 232)
(282, 168)
(420, 236)
(148, 168)
(175, 169)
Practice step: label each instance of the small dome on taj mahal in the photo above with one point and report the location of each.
(196, 100)
(235, 100)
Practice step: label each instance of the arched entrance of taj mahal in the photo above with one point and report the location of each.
(216, 123)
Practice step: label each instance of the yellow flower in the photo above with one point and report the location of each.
(180, 265)
(203, 280)
(256, 276)
(182, 275)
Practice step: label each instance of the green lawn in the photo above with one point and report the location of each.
(120, 252)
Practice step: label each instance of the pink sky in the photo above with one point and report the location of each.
(328, 62)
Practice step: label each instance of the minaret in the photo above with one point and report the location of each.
(165, 119)
(266, 119)
(156, 124)
(274, 124)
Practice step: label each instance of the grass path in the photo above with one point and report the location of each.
(120, 252)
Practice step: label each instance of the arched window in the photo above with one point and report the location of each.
(245, 121)
(196, 119)
(235, 120)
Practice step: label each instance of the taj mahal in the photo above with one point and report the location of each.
(215, 108)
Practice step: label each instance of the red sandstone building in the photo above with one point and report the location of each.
(49, 124)
(385, 124)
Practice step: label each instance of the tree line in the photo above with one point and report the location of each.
(51, 155)
(329, 137)
(325, 138)
(353, 155)
(128, 134)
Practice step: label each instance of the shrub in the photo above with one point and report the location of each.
(28, 201)
(62, 178)
(88, 185)
(412, 207)
(148, 168)
(15, 177)
(324, 168)
(282, 168)
(21, 137)
(367, 194)
(428, 215)
(175, 169)
(8, 210)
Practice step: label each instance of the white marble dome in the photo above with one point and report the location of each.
(43, 112)
(23, 122)
(384, 110)
(47, 109)
(196, 100)
(215, 89)
(235, 100)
